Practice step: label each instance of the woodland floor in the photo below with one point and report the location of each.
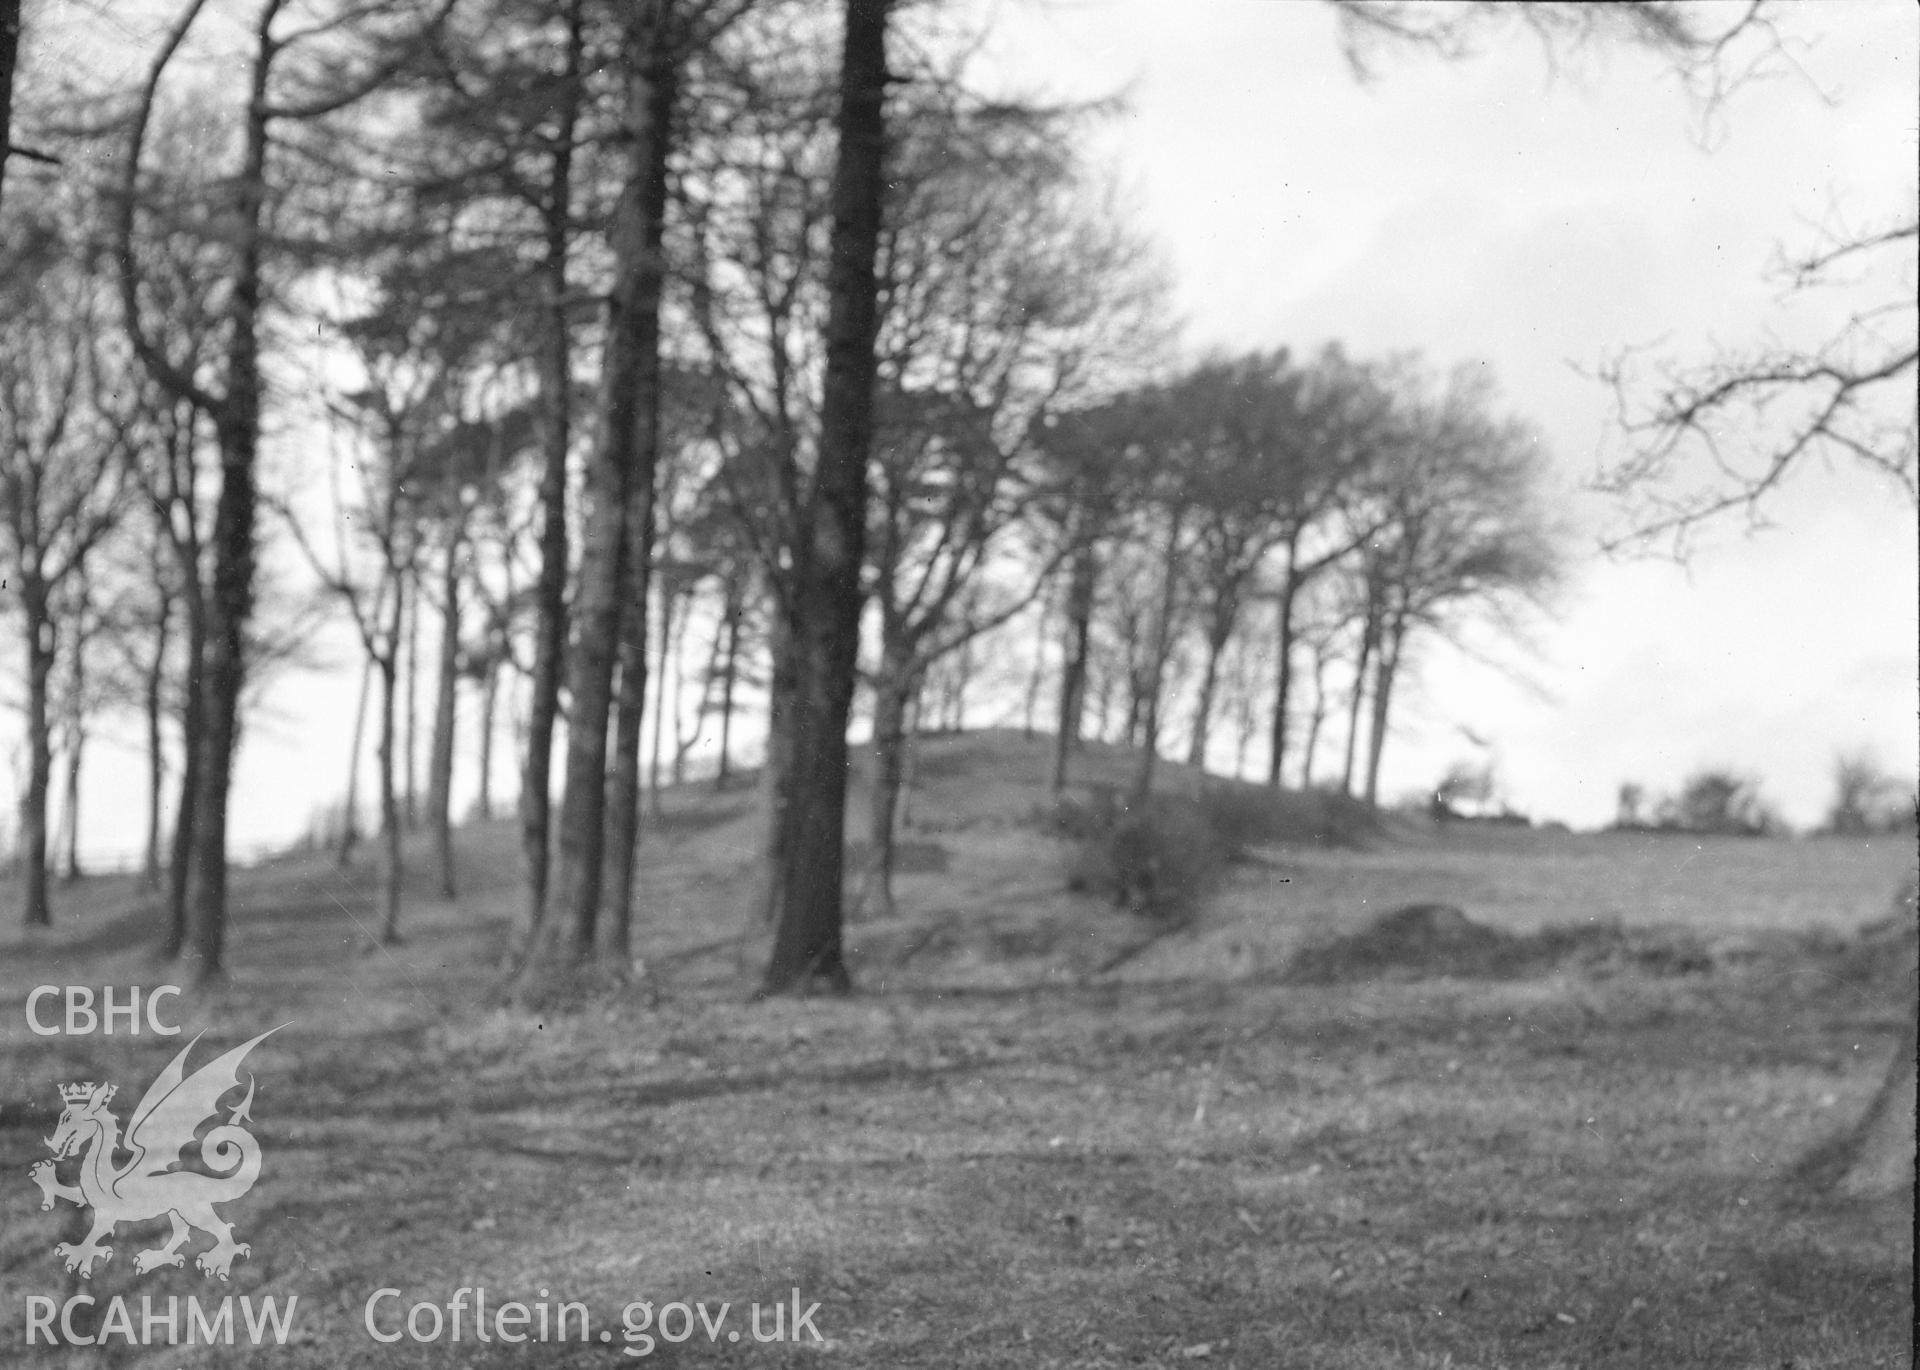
(996, 1154)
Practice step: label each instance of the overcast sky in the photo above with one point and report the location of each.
(1480, 210)
(1488, 210)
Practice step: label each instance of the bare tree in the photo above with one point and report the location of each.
(1290, 442)
(1320, 635)
(505, 138)
(349, 835)
(656, 517)
(82, 698)
(564, 943)
(721, 547)
(821, 604)
(353, 59)
(456, 474)
(424, 466)
(1174, 548)
(169, 482)
(1077, 505)
(573, 938)
(1006, 293)
(1630, 799)
(757, 209)
(1460, 529)
(172, 463)
(1866, 799)
(154, 700)
(1713, 439)
(60, 485)
(1712, 49)
(446, 694)
(373, 604)
(1346, 414)
(791, 331)
(1704, 440)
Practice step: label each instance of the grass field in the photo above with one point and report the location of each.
(1044, 1132)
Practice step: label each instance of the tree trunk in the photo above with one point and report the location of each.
(154, 701)
(410, 582)
(709, 677)
(76, 744)
(1073, 670)
(1037, 677)
(1283, 662)
(489, 702)
(555, 366)
(660, 694)
(446, 716)
(1386, 666)
(1162, 646)
(904, 821)
(683, 741)
(776, 770)
(626, 452)
(1873, 1158)
(1882, 1148)
(825, 597)
(960, 679)
(622, 840)
(891, 692)
(193, 743)
(9, 55)
(1367, 630)
(224, 664)
(223, 672)
(392, 860)
(1107, 682)
(1315, 720)
(1134, 625)
(236, 420)
(41, 641)
(729, 674)
(350, 806)
(1226, 608)
(1245, 720)
(808, 886)
(614, 935)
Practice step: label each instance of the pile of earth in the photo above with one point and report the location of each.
(1418, 941)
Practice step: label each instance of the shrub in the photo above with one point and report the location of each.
(1713, 801)
(1156, 859)
(1243, 815)
(1159, 858)
(1866, 799)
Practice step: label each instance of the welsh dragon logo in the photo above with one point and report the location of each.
(149, 1185)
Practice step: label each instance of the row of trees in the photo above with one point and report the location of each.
(1866, 799)
(621, 318)
(561, 265)
(1258, 509)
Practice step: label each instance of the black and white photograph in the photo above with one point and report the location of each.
(959, 684)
